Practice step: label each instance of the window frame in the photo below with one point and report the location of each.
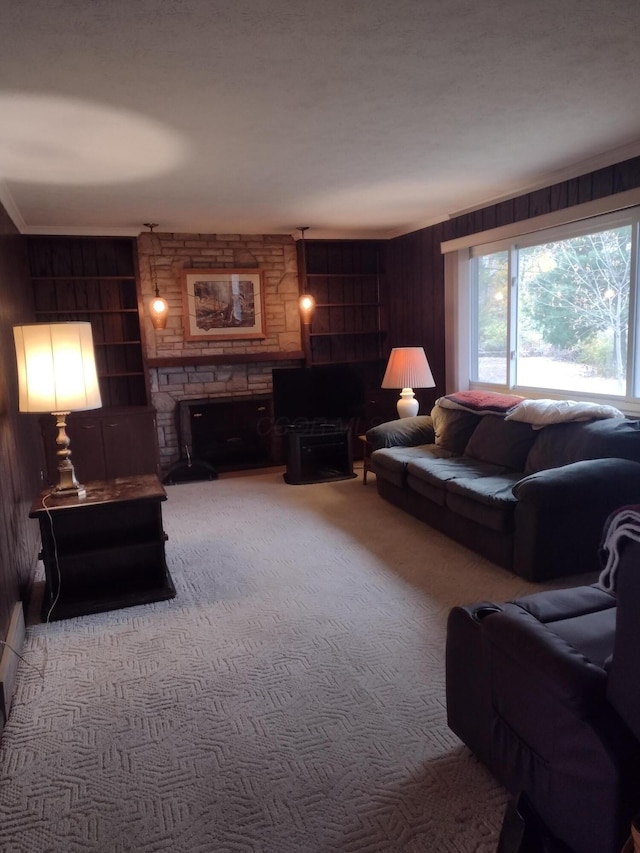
(460, 326)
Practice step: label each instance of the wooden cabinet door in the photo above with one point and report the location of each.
(105, 443)
(130, 444)
(87, 453)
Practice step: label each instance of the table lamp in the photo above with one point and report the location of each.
(57, 375)
(407, 369)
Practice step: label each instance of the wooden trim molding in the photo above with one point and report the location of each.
(608, 204)
(221, 358)
(9, 661)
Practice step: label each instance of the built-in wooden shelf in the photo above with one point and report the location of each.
(83, 311)
(373, 275)
(54, 279)
(336, 334)
(93, 279)
(344, 277)
(347, 305)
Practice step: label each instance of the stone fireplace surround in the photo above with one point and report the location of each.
(193, 383)
(179, 369)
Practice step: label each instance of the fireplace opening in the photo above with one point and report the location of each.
(228, 434)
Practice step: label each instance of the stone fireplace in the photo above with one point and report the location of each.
(228, 433)
(181, 370)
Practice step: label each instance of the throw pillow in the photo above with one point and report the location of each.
(501, 443)
(453, 428)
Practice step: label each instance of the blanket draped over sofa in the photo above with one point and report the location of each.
(528, 484)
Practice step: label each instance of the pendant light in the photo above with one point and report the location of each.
(306, 302)
(158, 307)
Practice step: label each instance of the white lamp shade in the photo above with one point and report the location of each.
(56, 367)
(408, 368)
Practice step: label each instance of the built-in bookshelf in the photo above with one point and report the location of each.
(344, 277)
(94, 280)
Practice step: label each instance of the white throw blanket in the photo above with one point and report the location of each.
(622, 524)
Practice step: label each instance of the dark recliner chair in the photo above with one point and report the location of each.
(545, 690)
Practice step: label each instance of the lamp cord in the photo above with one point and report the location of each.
(55, 558)
(41, 671)
(23, 659)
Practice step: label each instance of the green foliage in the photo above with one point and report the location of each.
(492, 302)
(599, 353)
(575, 293)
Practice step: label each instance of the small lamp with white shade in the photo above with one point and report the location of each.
(407, 369)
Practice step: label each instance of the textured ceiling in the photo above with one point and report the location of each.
(354, 117)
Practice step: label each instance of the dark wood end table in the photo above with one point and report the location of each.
(105, 550)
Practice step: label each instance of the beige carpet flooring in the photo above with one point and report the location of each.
(290, 699)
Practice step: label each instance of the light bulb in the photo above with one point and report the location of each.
(159, 310)
(307, 306)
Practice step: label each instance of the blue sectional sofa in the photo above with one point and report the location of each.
(529, 492)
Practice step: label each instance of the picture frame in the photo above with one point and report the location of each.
(223, 304)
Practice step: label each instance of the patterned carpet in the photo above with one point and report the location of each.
(290, 699)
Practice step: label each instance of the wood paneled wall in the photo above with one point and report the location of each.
(414, 285)
(20, 444)
(413, 296)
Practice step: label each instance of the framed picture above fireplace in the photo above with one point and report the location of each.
(221, 305)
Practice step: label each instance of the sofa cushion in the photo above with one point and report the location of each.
(407, 432)
(486, 500)
(433, 492)
(453, 428)
(562, 444)
(439, 470)
(583, 616)
(501, 442)
(428, 474)
(494, 491)
(391, 462)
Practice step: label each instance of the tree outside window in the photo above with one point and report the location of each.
(571, 304)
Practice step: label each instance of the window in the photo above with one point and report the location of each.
(552, 311)
(490, 287)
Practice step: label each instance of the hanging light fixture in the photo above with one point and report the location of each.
(158, 307)
(306, 302)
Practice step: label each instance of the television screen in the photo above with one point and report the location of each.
(331, 392)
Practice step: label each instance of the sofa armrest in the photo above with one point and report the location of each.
(545, 659)
(560, 515)
(592, 481)
(404, 432)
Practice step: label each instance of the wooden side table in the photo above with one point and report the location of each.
(103, 551)
(366, 458)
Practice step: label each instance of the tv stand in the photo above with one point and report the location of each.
(318, 452)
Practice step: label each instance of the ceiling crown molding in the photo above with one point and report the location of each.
(6, 200)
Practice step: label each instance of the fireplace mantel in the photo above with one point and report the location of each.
(222, 358)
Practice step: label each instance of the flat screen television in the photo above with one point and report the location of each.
(331, 392)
